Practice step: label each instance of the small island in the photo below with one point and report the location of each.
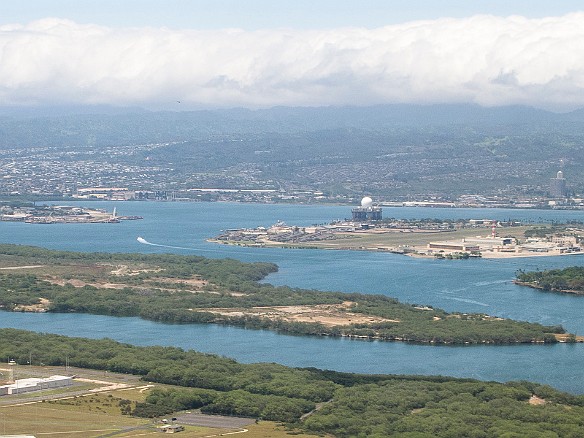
(568, 280)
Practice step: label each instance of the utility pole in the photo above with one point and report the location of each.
(11, 364)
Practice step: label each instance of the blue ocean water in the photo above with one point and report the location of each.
(467, 286)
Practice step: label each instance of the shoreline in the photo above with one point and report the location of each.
(348, 203)
(483, 254)
(563, 338)
(535, 286)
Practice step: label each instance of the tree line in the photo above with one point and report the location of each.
(559, 280)
(355, 405)
(233, 284)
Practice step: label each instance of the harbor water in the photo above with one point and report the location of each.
(454, 285)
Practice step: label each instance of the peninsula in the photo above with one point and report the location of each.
(420, 238)
(568, 280)
(170, 389)
(60, 214)
(191, 289)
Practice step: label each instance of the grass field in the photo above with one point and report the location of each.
(92, 419)
(58, 413)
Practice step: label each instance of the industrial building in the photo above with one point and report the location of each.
(35, 384)
(106, 193)
(558, 186)
(490, 242)
(454, 246)
(367, 211)
(17, 436)
(474, 244)
(172, 428)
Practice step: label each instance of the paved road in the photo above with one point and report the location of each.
(126, 430)
(217, 421)
(114, 379)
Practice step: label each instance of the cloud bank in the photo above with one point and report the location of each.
(482, 59)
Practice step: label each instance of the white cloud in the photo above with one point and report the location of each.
(483, 59)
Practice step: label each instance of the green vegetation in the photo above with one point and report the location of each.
(544, 231)
(558, 280)
(78, 419)
(235, 402)
(319, 148)
(107, 404)
(94, 415)
(349, 405)
(174, 266)
(156, 287)
(423, 408)
(269, 391)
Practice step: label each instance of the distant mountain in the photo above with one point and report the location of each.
(384, 150)
(106, 125)
(66, 110)
(407, 115)
(574, 116)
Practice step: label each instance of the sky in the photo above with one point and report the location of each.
(191, 54)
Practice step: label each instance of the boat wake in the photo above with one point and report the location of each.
(489, 283)
(466, 300)
(145, 242)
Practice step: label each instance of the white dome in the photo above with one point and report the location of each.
(366, 202)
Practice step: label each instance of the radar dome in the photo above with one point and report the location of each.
(366, 202)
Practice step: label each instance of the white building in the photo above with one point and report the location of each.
(17, 436)
(35, 384)
(558, 186)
